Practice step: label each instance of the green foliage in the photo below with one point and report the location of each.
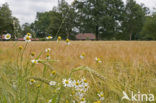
(149, 31)
(99, 16)
(133, 19)
(8, 23)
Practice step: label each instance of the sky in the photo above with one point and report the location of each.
(25, 10)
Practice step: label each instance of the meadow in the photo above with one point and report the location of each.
(120, 66)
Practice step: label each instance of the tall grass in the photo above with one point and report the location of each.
(126, 66)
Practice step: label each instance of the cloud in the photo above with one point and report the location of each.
(25, 10)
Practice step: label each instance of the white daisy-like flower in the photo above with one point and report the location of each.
(50, 101)
(82, 55)
(67, 82)
(32, 81)
(49, 37)
(67, 41)
(98, 60)
(47, 56)
(76, 84)
(28, 34)
(27, 38)
(48, 50)
(52, 83)
(34, 61)
(83, 100)
(101, 95)
(7, 36)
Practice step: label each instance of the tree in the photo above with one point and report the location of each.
(149, 31)
(58, 21)
(8, 23)
(134, 19)
(99, 16)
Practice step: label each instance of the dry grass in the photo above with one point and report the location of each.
(125, 65)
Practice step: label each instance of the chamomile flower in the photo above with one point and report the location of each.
(34, 61)
(67, 41)
(27, 38)
(76, 84)
(98, 60)
(83, 100)
(49, 37)
(32, 54)
(67, 82)
(53, 73)
(28, 34)
(20, 47)
(47, 56)
(82, 55)
(48, 50)
(101, 95)
(32, 81)
(59, 38)
(7, 36)
(52, 83)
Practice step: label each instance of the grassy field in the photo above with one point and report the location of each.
(126, 66)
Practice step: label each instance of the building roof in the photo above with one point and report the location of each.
(84, 36)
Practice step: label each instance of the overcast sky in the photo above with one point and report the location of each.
(25, 10)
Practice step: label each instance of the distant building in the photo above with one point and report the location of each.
(85, 36)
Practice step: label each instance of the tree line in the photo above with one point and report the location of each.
(107, 19)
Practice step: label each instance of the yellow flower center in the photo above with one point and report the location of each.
(85, 81)
(67, 40)
(67, 82)
(101, 95)
(59, 38)
(53, 72)
(7, 36)
(20, 47)
(49, 37)
(32, 54)
(77, 83)
(27, 38)
(32, 80)
(35, 62)
(28, 34)
(82, 99)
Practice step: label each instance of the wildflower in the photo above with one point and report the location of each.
(52, 83)
(32, 81)
(67, 41)
(49, 37)
(83, 80)
(28, 34)
(34, 61)
(27, 38)
(50, 101)
(101, 95)
(82, 55)
(7, 36)
(76, 84)
(53, 73)
(67, 83)
(59, 38)
(47, 50)
(48, 56)
(33, 54)
(83, 100)
(98, 60)
(20, 47)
